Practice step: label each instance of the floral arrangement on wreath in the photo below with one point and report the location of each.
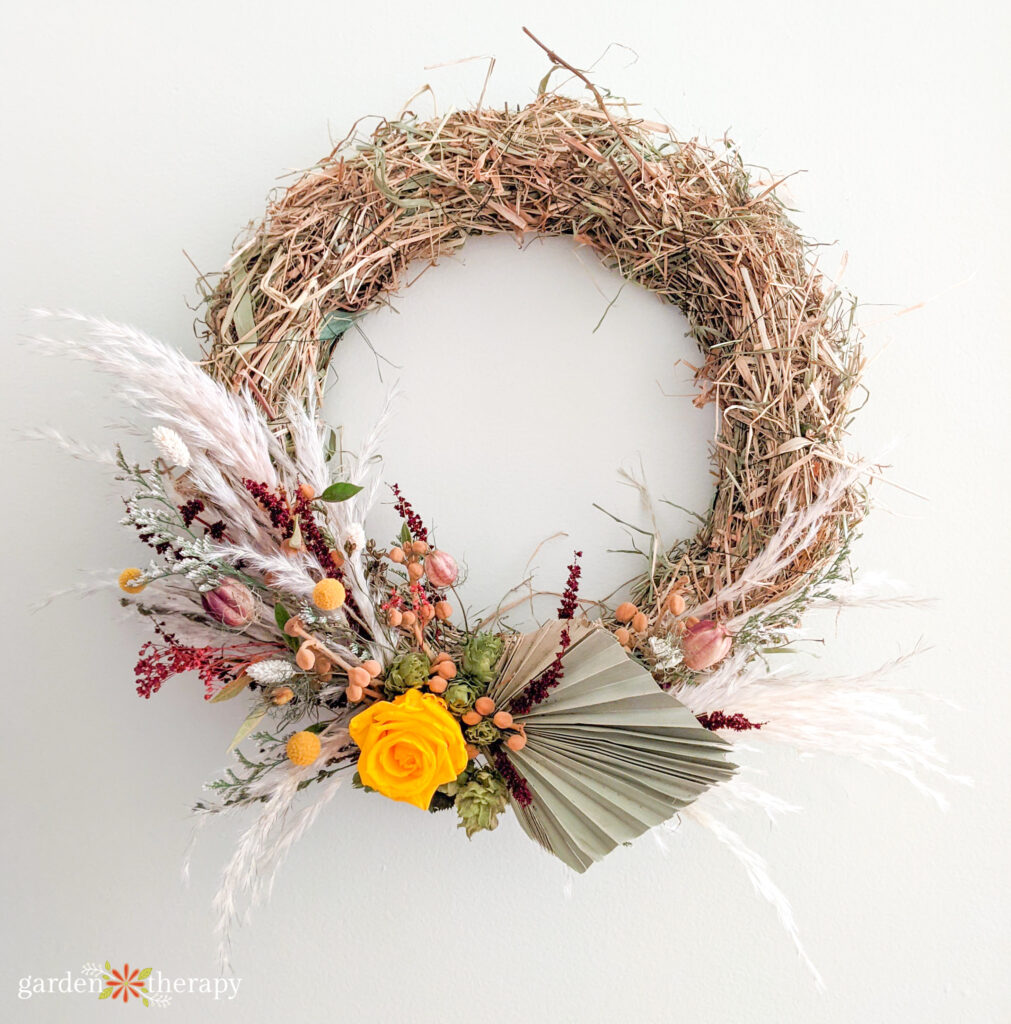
(355, 655)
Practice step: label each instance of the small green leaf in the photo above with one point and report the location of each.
(339, 491)
(227, 692)
(405, 535)
(105, 993)
(144, 1001)
(108, 966)
(146, 973)
(253, 719)
(281, 616)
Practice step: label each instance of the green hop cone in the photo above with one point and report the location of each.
(484, 734)
(406, 673)
(461, 694)
(480, 653)
(481, 800)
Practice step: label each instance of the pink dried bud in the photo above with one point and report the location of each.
(441, 569)
(232, 604)
(704, 644)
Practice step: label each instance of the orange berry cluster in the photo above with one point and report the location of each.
(484, 707)
(422, 611)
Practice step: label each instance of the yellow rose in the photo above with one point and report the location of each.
(409, 747)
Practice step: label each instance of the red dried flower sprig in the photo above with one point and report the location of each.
(552, 675)
(718, 720)
(215, 665)
(515, 782)
(409, 516)
(157, 663)
(276, 507)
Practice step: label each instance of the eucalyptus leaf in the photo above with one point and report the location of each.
(340, 491)
(227, 692)
(253, 719)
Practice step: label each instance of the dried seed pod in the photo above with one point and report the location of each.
(676, 604)
(304, 658)
(503, 719)
(623, 636)
(281, 695)
(354, 694)
(426, 613)
(307, 491)
(443, 611)
(337, 557)
(625, 611)
(470, 718)
(437, 684)
(415, 570)
(397, 555)
(394, 617)
(373, 668)
(484, 705)
(517, 741)
(639, 622)
(408, 619)
(419, 547)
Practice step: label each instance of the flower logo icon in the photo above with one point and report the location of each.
(125, 983)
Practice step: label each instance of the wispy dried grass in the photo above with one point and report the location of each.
(781, 352)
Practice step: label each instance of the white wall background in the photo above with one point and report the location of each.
(134, 131)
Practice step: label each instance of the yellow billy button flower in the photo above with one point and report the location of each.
(409, 747)
(303, 748)
(328, 595)
(127, 581)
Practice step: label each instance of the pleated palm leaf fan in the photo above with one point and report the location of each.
(608, 754)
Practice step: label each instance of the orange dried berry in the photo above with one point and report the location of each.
(373, 668)
(623, 636)
(639, 622)
(443, 611)
(470, 718)
(281, 695)
(426, 613)
(394, 617)
(337, 557)
(472, 751)
(419, 547)
(415, 570)
(441, 657)
(358, 677)
(409, 619)
(127, 581)
(625, 612)
(304, 658)
(328, 595)
(354, 694)
(503, 719)
(484, 705)
(676, 604)
(307, 491)
(397, 555)
(517, 741)
(446, 669)
(437, 684)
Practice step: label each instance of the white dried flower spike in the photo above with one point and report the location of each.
(269, 673)
(172, 447)
(354, 536)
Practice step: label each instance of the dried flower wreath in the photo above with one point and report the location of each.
(266, 584)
